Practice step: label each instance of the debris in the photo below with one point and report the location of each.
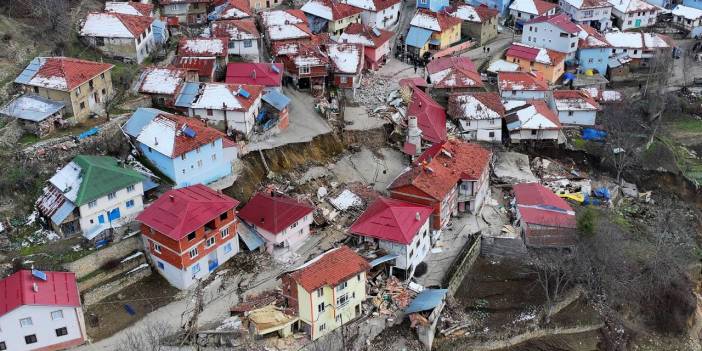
(346, 200)
(321, 192)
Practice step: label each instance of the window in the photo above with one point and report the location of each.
(160, 266)
(572, 45)
(411, 253)
(78, 91)
(209, 112)
(210, 241)
(320, 307)
(358, 277)
(342, 286)
(323, 325)
(195, 268)
(193, 252)
(224, 232)
(30, 339)
(305, 70)
(191, 236)
(320, 292)
(183, 157)
(570, 113)
(589, 60)
(92, 204)
(248, 43)
(61, 331)
(533, 132)
(157, 248)
(130, 188)
(214, 157)
(228, 248)
(491, 135)
(26, 322)
(56, 315)
(293, 225)
(199, 163)
(130, 203)
(111, 195)
(342, 79)
(342, 300)
(635, 51)
(82, 105)
(3, 346)
(224, 216)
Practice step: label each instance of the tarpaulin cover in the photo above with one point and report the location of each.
(593, 134)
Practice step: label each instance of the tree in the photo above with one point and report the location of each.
(554, 270)
(147, 337)
(625, 136)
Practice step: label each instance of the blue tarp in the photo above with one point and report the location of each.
(426, 300)
(602, 193)
(140, 118)
(261, 115)
(187, 94)
(568, 76)
(216, 13)
(382, 259)
(160, 31)
(88, 133)
(594, 134)
(276, 99)
(417, 37)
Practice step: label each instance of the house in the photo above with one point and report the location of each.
(687, 17)
(83, 86)
(557, 33)
(347, 64)
(525, 10)
(268, 75)
(308, 68)
(286, 26)
(259, 5)
(450, 177)
(381, 14)
(575, 107)
(40, 311)
(431, 117)
(693, 3)
(451, 74)
(638, 47)
(327, 291)
(231, 108)
(275, 111)
(92, 195)
(479, 115)
(243, 37)
(522, 86)
(479, 23)
(37, 115)
(184, 11)
(204, 67)
(189, 232)
(330, 16)
(163, 84)
(231, 10)
(119, 35)
(548, 63)
(594, 13)
(532, 121)
(543, 218)
(432, 5)
(593, 50)
(283, 222)
(183, 149)
(206, 47)
(399, 228)
(499, 5)
(630, 14)
(376, 43)
(604, 96)
(431, 31)
(130, 8)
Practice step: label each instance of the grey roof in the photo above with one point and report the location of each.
(428, 299)
(276, 99)
(140, 118)
(32, 108)
(30, 71)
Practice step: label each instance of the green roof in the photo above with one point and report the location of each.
(102, 175)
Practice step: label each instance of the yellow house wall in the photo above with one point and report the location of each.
(337, 26)
(550, 72)
(449, 36)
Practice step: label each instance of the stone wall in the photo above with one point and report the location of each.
(368, 138)
(116, 285)
(88, 264)
(462, 264)
(103, 276)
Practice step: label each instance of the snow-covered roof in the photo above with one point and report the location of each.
(217, 96)
(347, 58)
(307, 61)
(32, 108)
(355, 39)
(465, 12)
(159, 135)
(502, 66)
(128, 8)
(372, 5)
(588, 4)
(534, 115)
(201, 46)
(319, 9)
(68, 180)
(636, 40)
(472, 108)
(626, 6)
(283, 32)
(279, 18)
(107, 25)
(426, 20)
(686, 12)
(157, 80)
(574, 100)
(534, 7)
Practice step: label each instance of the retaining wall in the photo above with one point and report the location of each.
(88, 264)
(104, 276)
(101, 292)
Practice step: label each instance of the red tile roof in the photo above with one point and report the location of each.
(367, 32)
(491, 100)
(203, 46)
(255, 73)
(486, 12)
(413, 82)
(442, 63)
(329, 269)
(169, 2)
(444, 20)
(539, 205)
(205, 66)
(431, 117)
(222, 28)
(440, 167)
(59, 289)
(575, 95)
(525, 81)
(274, 213)
(588, 4)
(135, 24)
(339, 10)
(391, 220)
(241, 5)
(74, 71)
(544, 6)
(383, 4)
(561, 20)
(179, 212)
(594, 39)
(531, 53)
(183, 144)
(543, 109)
(143, 9)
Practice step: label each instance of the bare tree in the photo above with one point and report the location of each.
(554, 270)
(149, 337)
(625, 136)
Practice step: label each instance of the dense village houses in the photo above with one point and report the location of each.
(555, 32)
(92, 195)
(231, 108)
(327, 291)
(630, 14)
(525, 10)
(593, 50)
(451, 74)
(543, 218)
(381, 14)
(532, 121)
(307, 69)
(37, 115)
(430, 119)
(575, 107)
(400, 228)
(500, 5)
(286, 26)
(258, 5)
(231, 10)
(120, 35)
(594, 13)
(244, 38)
(40, 311)
(83, 86)
(376, 43)
(479, 115)
(283, 222)
(206, 47)
(693, 3)
(548, 63)
(522, 86)
(163, 84)
(432, 5)
(479, 23)
(431, 31)
(330, 16)
(639, 47)
(267, 75)
(204, 67)
(184, 11)
(347, 65)
(189, 232)
(687, 17)
(183, 149)
(450, 177)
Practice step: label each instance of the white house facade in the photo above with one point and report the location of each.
(36, 327)
(112, 210)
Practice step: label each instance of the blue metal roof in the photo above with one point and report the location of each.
(426, 300)
(140, 118)
(32, 108)
(63, 212)
(187, 94)
(160, 34)
(382, 259)
(434, 42)
(252, 239)
(149, 184)
(30, 70)
(276, 99)
(417, 37)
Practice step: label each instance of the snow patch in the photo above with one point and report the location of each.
(105, 25)
(217, 96)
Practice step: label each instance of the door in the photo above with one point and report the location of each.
(637, 23)
(114, 214)
(212, 262)
(101, 219)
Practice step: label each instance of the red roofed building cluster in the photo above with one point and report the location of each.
(544, 219)
(376, 43)
(452, 75)
(189, 232)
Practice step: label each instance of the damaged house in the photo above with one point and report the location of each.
(479, 115)
(330, 16)
(575, 107)
(376, 43)
(37, 115)
(347, 64)
(448, 75)
(163, 84)
(543, 218)
(522, 86)
(532, 121)
(308, 68)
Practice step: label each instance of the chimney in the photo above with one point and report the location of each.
(253, 74)
(414, 134)
(172, 198)
(417, 216)
(155, 141)
(35, 287)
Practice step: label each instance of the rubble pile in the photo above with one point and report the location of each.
(381, 98)
(391, 295)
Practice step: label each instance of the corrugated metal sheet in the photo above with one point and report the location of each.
(382, 259)
(252, 240)
(417, 37)
(276, 99)
(63, 212)
(32, 108)
(140, 118)
(30, 71)
(160, 31)
(187, 94)
(428, 299)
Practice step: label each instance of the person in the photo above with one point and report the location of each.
(415, 68)
(488, 49)
(483, 49)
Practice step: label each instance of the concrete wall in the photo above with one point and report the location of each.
(462, 265)
(104, 290)
(97, 259)
(101, 277)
